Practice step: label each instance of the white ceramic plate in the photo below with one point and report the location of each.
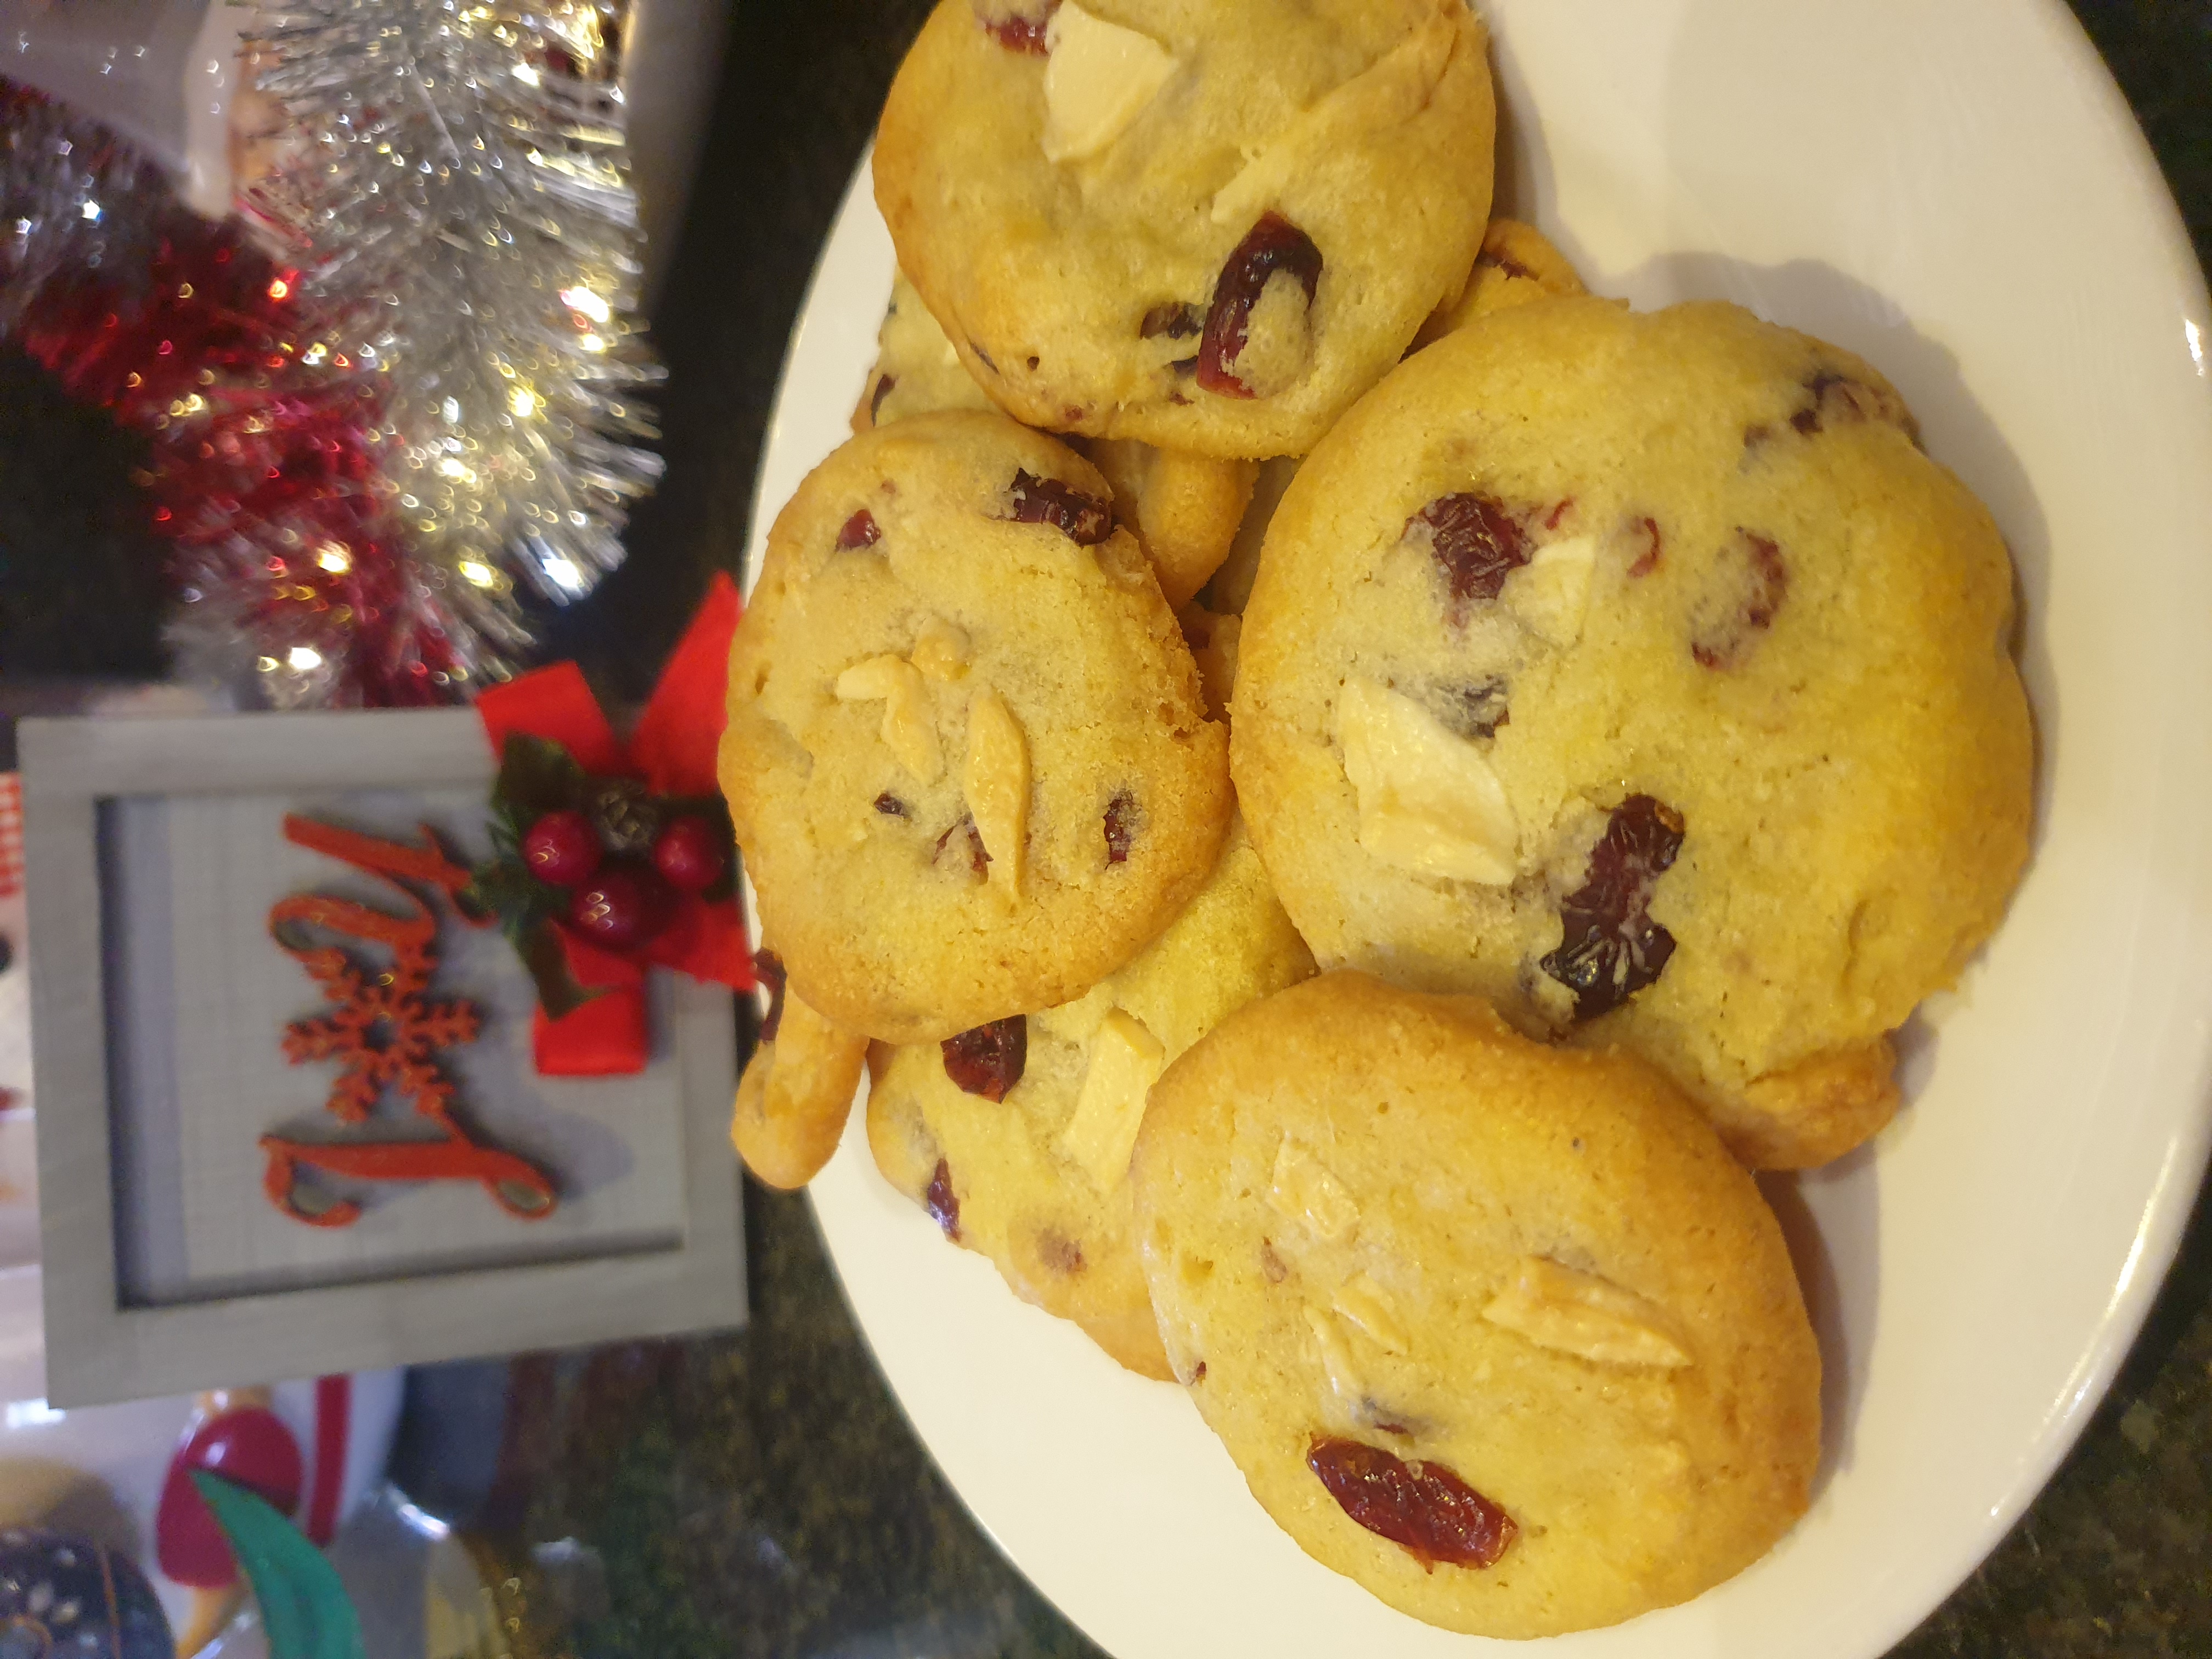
(1957, 192)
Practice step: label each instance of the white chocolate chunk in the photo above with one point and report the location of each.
(1369, 1306)
(1392, 88)
(1303, 1190)
(1429, 802)
(996, 782)
(873, 677)
(1126, 1060)
(1097, 80)
(909, 727)
(1583, 1314)
(940, 650)
(1343, 1381)
(1550, 594)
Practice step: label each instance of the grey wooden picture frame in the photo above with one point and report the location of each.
(104, 1345)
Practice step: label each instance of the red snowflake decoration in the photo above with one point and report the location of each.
(383, 1030)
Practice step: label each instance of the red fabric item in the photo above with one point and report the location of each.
(677, 736)
(707, 941)
(673, 750)
(556, 703)
(607, 1037)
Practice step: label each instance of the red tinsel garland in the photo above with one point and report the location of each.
(265, 475)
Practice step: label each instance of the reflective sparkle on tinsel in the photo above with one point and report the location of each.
(453, 177)
(256, 458)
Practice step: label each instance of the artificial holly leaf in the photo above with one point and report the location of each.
(506, 889)
(305, 1612)
(558, 993)
(536, 777)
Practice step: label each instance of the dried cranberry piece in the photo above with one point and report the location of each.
(1017, 31)
(1752, 584)
(1475, 710)
(768, 967)
(1174, 318)
(1839, 400)
(1423, 1508)
(1063, 1255)
(1020, 35)
(884, 385)
(859, 531)
(1121, 826)
(978, 860)
(1476, 542)
(1273, 245)
(942, 1202)
(1084, 519)
(890, 805)
(989, 1061)
(1609, 947)
(1648, 561)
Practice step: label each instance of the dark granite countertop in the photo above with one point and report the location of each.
(761, 1493)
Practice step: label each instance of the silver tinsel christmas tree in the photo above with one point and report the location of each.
(451, 179)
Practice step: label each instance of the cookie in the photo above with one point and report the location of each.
(1208, 224)
(796, 1092)
(1017, 1137)
(1517, 264)
(917, 371)
(1184, 508)
(1213, 641)
(1225, 594)
(1642, 674)
(1497, 1330)
(967, 759)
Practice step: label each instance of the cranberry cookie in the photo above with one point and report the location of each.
(1642, 674)
(1016, 1137)
(1184, 508)
(968, 756)
(1207, 224)
(917, 371)
(797, 1090)
(1517, 264)
(1500, 1331)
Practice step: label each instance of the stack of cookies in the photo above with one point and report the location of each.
(1347, 792)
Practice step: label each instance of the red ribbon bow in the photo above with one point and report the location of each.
(672, 749)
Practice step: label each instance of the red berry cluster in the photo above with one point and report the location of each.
(622, 902)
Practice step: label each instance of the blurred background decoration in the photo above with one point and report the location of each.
(390, 393)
